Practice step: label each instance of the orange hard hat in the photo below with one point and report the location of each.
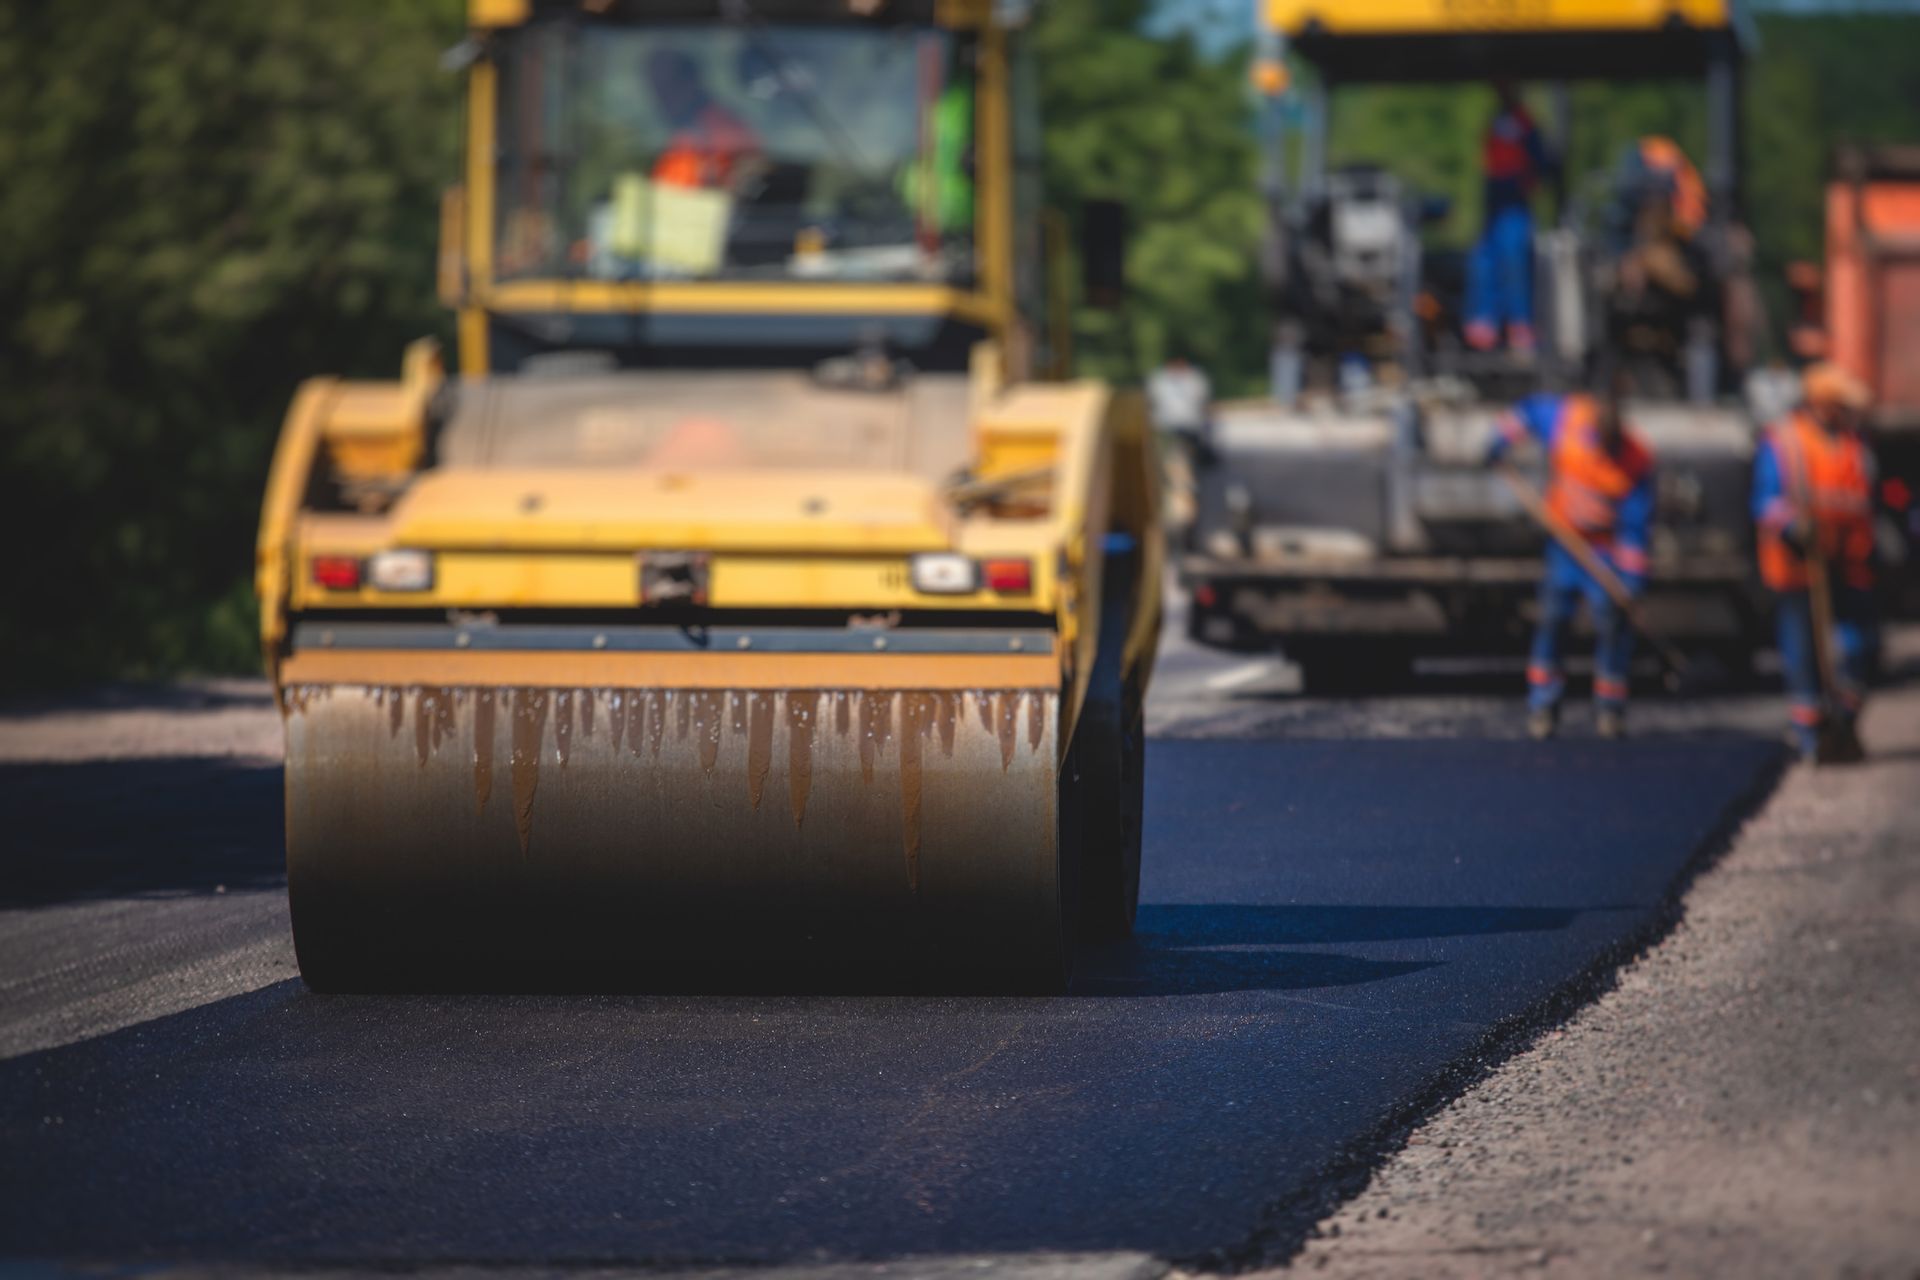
(1270, 77)
(1827, 383)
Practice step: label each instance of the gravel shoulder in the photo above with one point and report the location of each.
(1745, 1100)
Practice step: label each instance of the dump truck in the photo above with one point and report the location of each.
(1347, 516)
(1862, 310)
(758, 602)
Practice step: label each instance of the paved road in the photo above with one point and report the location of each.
(1329, 924)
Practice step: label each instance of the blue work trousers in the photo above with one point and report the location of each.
(1500, 269)
(1856, 639)
(1566, 584)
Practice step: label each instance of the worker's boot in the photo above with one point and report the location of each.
(1611, 722)
(1481, 335)
(1542, 722)
(1520, 338)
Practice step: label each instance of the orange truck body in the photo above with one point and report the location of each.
(1870, 314)
(1873, 277)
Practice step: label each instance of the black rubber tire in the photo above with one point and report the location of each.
(1110, 762)
(1111, 896)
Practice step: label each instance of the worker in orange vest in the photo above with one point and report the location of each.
(708, 142)
(1601, 484)
(1813, 497)
(1668, 168)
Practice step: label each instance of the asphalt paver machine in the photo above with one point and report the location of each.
(1347, 517)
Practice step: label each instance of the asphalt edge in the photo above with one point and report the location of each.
(1287, 1224)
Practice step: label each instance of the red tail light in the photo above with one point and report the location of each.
(336, 573)
(1008, 577)
(1895, 493)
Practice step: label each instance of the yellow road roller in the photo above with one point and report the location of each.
(759, 602)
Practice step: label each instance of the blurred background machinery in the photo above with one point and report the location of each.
(1348, 515)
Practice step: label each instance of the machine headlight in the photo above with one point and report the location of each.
(944, 574)
(400, 570)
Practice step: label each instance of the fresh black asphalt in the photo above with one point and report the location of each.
(1328, 926)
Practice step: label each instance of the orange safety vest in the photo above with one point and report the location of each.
(1663, 155)
(1830, 473)
(1588, 483)
(704, 156)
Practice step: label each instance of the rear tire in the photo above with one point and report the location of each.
(1115, 807)
(1110, 760)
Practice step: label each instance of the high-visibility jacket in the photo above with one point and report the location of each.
(1606, 495)
(1827, 477)
(938, 183)
(1688, 197)
(704, 155)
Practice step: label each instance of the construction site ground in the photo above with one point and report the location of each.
(1376, 1022)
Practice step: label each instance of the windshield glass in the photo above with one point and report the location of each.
(742, 149)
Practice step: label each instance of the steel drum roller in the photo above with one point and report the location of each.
(444, 837)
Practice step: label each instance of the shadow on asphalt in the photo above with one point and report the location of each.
(188, 696)
(1217, 947)
(114, 828)
(1149, 970)
(1225, 925)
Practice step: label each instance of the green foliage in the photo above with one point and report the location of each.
(207, 200)
(1818, 82)
(1166, 130)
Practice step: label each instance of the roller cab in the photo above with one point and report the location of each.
(754, 606)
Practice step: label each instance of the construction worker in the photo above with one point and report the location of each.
(1655, 171)
(708, 142)
(1500, 269)
(1180, 396)
(1813, 508)
(1601, 487)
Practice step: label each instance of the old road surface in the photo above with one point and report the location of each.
(1345, 905)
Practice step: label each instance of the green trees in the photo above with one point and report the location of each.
(1166, 130)
(205, 201)
(1819, 81)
